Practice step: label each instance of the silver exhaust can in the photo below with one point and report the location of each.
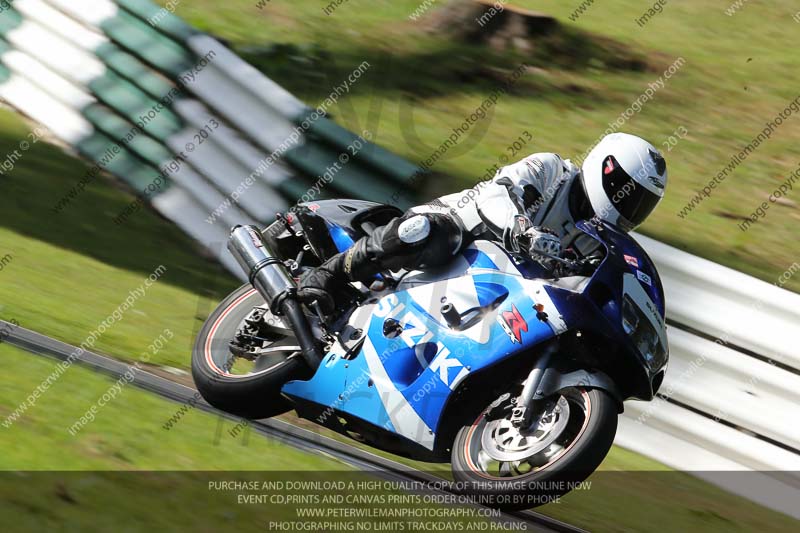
(265, 271)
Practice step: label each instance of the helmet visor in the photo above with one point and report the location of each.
(631, 199)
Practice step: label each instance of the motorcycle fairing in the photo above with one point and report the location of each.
(403, 383)
(637, 261)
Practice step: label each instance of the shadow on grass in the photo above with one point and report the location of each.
(445, 66)
(44, 174)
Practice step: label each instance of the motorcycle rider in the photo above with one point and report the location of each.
(531, 206)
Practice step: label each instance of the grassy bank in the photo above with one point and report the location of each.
(70, 270)
(123, 470)
(127, 432)
(735, 78)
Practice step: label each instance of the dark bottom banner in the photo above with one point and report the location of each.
(376, 501)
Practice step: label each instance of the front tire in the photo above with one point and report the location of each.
(255, 391)
(540, 466)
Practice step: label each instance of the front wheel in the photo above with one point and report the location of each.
(513, 468)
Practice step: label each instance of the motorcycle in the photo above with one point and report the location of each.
(512, 368)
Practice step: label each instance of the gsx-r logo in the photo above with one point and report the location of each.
(513, 324)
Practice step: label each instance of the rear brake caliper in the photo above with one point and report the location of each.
(249, 338)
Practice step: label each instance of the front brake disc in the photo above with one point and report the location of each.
(504, 442)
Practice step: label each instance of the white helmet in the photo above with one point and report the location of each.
(624, 178)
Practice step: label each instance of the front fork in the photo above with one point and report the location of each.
(525, 407)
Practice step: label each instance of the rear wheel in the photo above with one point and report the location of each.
(246, 378)
(517, 468)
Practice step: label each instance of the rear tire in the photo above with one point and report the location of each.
(577, 460)
(254, 395)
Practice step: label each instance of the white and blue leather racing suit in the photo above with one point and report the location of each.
(541, 191)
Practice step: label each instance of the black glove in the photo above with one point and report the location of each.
(319, 285)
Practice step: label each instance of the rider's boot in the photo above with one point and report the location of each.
(326, 283)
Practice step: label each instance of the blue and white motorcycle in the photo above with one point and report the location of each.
(511, 368)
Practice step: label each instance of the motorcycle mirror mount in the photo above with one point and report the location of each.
(451, 315)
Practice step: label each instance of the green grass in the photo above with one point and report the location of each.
(736, 78)
(127, 432)
(50, 479)
(69, 271)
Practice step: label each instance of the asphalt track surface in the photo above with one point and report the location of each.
(288, 434)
